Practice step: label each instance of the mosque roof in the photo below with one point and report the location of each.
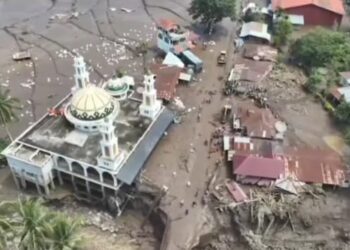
(91, 103)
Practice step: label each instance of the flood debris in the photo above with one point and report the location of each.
(21, 55)
(126, 10)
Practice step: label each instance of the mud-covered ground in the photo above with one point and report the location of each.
(107, 38)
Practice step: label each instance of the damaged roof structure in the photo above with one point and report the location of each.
(259, 52)
(319, 166)
(255, 30)
(167, 78)
(257, 161)
(252, 165)
(256, 122)
(250, 72)
(341, 93)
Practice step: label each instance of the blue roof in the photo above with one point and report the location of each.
(143, 150)
(192, 57)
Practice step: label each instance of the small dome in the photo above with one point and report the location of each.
(117, 85)
(91, 103)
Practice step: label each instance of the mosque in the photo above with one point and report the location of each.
(97, 142)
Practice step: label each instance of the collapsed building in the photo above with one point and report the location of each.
(174, 39)
(97, 140)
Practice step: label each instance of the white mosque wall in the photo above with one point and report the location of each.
(30, 171)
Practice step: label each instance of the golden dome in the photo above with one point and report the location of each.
(91, 103)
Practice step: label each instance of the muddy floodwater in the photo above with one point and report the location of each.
(53, 32)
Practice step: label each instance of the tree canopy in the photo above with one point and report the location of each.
(283, 31)
(342, 113)
(37, 228)
(323, 48)
(320, 80)
(210, 12)
(8, 107)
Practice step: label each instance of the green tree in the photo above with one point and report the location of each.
(342, 113)
(320, 80)
(35, 220)
(37, 228)
(3, 144)
(6, 226)
(283, 31)
(347, 135)
(251, 16)
(63, 234)
(323, 48)
(211, 12)
(8, 107)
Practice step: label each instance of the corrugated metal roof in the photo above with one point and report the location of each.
(335, 6)
(167, 78)
(236, 191)
(315, 166)
(263, 52)
(246, 70)
(255, 29)
(259, 122)
(255, 166)
(345, 92)
(139, 156)
(335, 93)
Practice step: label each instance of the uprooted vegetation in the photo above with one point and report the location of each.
(311, 220)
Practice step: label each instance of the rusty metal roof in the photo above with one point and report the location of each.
(262, 52)
(335, 6)
(166, 81)
(252, 71)
(167, 24)
(259, 122)
(315, 166)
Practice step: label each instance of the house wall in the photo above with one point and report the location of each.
(314, 15)
(30, 171)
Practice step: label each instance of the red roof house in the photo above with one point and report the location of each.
(258, 122)
(257, 167)
(167, 78)
(167, 24)
(315, 12)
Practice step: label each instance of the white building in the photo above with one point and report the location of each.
(150, 106)
(120, 87)
(98, 146)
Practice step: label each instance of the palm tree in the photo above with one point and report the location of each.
(63, 234)
(6, 226)
(8, 106)
(35, 220)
